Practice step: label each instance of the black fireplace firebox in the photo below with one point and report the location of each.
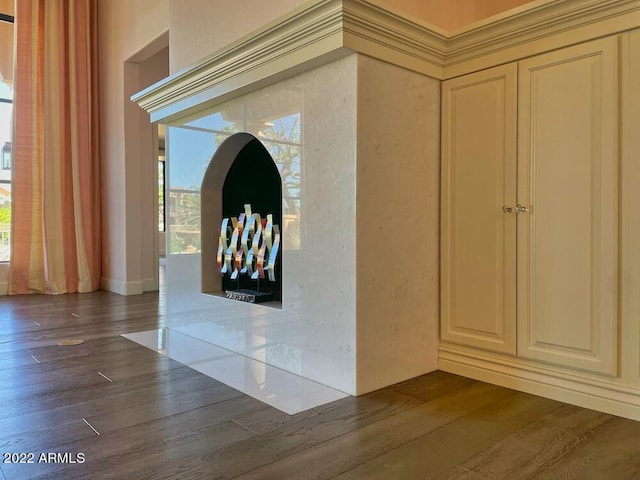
(253, 179)
(241, 173)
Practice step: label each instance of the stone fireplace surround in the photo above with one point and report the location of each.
(360, 282)
(349, 294)
(360, 265)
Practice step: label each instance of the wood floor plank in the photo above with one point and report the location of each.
(117, 412)
(149, 386)
(307, 450)
(86, 332)
(164, 406)
(38, 373)
(377, 405)
(460, 473)
(99, 314)
(87, 386)
(160, 442)
(611, 451)
(443, 449)
(193, 444)
(52, 353)
(542, 443)
(300, 431)
(431, 386)
(43, 439)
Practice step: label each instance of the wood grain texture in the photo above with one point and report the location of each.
(432, 454)
(159, 419)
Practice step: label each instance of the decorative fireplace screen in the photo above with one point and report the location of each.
(241, 219)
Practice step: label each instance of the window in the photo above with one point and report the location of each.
(162, 134)
(161, 214)
(6, 117)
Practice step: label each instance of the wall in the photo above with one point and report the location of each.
(141, 149)
(128, 31)
(451, 14)
(201, 27)
(398, 190)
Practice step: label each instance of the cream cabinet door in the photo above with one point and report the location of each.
(568, 184)
(478, 229)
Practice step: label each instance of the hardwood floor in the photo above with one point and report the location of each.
(160, 420)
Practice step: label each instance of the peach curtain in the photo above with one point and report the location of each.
(56, 238)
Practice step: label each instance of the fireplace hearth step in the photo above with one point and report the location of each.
(249, 296)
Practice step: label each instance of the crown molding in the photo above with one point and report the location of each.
(544, 26)
(322, 31)
(388, 36)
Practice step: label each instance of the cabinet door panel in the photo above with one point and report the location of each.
(568, 180)
(630, 213)
(478, 237)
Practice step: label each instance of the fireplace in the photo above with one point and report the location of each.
(355, 141)
(241, 173)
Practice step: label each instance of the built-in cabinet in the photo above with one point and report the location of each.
(531, 218)
(567, 229)
(478, 280)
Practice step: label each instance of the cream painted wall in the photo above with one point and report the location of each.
(201, 27)
(129, 30)
(451, 14)
(141, 187)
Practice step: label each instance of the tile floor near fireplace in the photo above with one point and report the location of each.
(280, 389)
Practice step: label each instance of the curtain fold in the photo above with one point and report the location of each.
(56, 237)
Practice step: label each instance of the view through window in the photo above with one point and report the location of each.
(6, 117)
(161, 194)
(162, 132)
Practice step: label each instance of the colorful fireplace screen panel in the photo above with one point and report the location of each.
(252, 208)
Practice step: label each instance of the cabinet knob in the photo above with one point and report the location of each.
(521, 208)
(507, 209)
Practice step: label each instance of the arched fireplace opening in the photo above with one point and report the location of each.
(241, 173)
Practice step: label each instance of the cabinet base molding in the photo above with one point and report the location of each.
(545, 381)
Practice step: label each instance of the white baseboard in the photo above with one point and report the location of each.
(149, 285)
(122, 288)
(110, 285)
(602, 395)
